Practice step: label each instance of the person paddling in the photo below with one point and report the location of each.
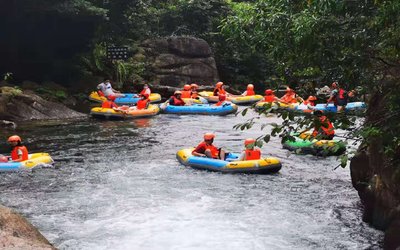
(323, 128)
(270, 96)
(144, 102)
(176, 99)
(249, 91)
(19, 152)
(207, 149)
(338, 96)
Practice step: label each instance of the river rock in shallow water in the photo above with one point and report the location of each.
(20, 105)
(17, 233)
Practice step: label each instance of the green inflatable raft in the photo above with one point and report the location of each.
(314, 146)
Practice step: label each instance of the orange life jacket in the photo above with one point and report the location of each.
(269, 98)
(326, 127)
(141, 104)
(219, 91)
(14, 153)
(186, 94)
(252, 154)
(289, 98)
(219, 103)
(250, 92)
(100, 93)
(109, 104)
(177, 102)
(309, 103)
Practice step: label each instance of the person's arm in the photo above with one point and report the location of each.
(197, 150)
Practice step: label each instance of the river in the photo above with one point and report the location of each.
(118, 185)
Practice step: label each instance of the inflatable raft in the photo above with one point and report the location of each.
(128, 99)
(262, 166)
(236, 99)
(199, 100)
(305, 145)
(274, 105)
(200, 109)
(124, 112)
(34, 160)
(350, 107)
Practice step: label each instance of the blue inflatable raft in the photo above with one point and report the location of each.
(201, 109)
(261, 166)
(350, 107)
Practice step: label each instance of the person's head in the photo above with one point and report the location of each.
(3, 158)
(177, 94)
(250, 86)
(334, 85)
(249, 143)
(14, 140)
(107, 81)
(186, 87)
(194, 86)
(221, 97)
(219, 84)
(289, 91)
(111, 97)
(145, 86)
(269, 92)
(318, 113)
(209, 138)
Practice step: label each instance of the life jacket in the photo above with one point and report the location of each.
(219, 103)
(250, 92)
(252, 154)
(145, 91)
(342, 94)
(289, 98)
(177, 102)
(326, 127)
(186, 93)
(109, 104)
(214, 150)
(219, 91)
(269, 98)
(14, 153)
(309, 103)
(141, 104)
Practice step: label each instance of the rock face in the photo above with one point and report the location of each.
(377, 180)
(178, 60)
(17, 233)
(18, 106)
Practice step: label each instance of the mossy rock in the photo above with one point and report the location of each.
(12, 91)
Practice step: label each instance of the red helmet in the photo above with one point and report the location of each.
(219, 84)
(209, 136)
(312, 98)
(250, 86)
(269, 92)
(194, 86)
(249, 141)
(111, 97)
(13, 138)
(186, 87)
(221, 97)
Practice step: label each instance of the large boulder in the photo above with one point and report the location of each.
(17, 233)
(178, 60)
(16, 105)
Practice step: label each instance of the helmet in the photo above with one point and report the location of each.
(249, 141)
(269, 92)
(194, 86)
(209, 136)
(14, 138)
(318, 112)
(250, 86)
(221, 97)
(111, 97)
(219, 84)
(335, 84)
(3, 158)
(312, 98)
(186, 87)
(178, 92)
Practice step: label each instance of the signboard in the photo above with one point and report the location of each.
(117, 53)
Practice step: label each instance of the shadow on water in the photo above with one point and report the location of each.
(118, 185)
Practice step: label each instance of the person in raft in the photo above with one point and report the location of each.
(19, 152)
(323, 128)
(145, 90)
(176, 99)
(290, 97)
(338, 96)
(270, 96)
(250, 152)
(249, 91)
(207, 149)
(105, 89)
(222, 100)
(220, 89)
(186, 92)
(144, 101)
(109, 103)
(193, 91)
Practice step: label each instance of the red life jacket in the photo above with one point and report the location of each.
(219, 91)
(250, 92)
(109, 104)
(14, 153)
(100, 93)
(141, 104)
(341, 93)
(145, 91)
(326, 127)
(214, 150)
(309, 103)
(186, 93)
(177, 102)
(289, 98)
(269, 98)
(252, 154)
(219, 103)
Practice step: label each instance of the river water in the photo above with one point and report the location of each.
(118, 185)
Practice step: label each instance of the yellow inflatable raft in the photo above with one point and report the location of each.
(275, 105)
(124, 112)
(236, 99)
(34, 160)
